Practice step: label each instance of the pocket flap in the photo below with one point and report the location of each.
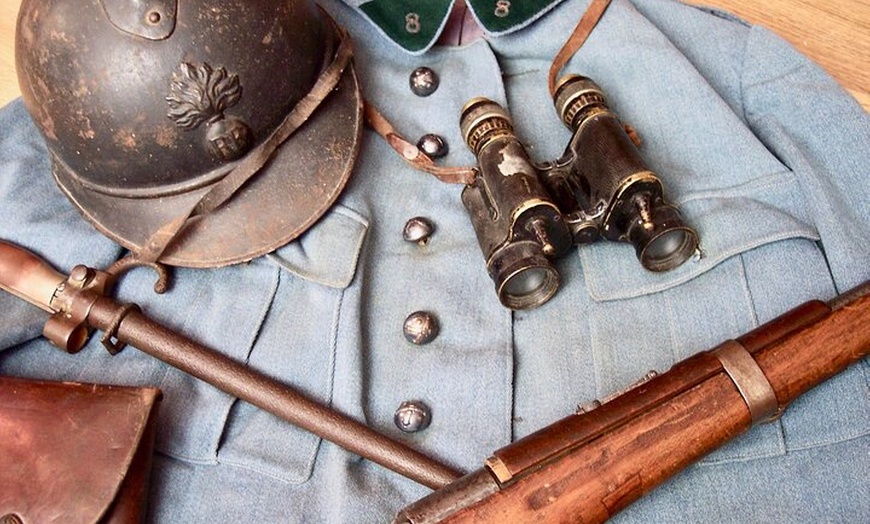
(728, 223)
(328, 252)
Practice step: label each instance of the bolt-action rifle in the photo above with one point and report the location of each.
(583, 468)
(592, 464)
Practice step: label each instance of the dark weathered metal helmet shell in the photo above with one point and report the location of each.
(145, 105)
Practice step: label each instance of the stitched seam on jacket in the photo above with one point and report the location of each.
(751, 187)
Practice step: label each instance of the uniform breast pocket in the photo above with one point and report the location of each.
(761, 257)
(296, 345)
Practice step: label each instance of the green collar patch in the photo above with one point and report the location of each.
(416, 24)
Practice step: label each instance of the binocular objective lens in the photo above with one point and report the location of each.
(666, 245)
(525, 282)
(529, 287)
(669, 250)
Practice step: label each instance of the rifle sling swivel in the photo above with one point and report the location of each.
(751, 382)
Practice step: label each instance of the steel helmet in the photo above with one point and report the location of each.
(204, 114)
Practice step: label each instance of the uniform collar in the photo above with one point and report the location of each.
(415, 25)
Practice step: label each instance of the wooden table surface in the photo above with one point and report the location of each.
(834, 33)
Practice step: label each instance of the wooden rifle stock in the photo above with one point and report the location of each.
(583, 468)
(590, 465)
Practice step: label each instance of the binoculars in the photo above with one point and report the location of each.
(526, 215)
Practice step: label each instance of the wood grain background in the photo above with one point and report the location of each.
(834, 33)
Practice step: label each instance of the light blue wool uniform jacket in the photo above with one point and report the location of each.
(766, 155)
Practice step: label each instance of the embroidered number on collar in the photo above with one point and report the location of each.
(412, 23)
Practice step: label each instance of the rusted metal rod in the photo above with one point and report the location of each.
(268, 394)
(78, 302)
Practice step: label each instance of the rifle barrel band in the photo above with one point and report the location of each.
(750, 380)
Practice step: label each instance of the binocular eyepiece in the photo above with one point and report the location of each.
(526, 215)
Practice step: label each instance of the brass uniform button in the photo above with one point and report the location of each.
(418, 230)
(412, 416)
(424, 81)
(421, 327)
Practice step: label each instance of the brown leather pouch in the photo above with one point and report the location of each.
(74, 453)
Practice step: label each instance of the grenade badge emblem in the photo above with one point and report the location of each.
(200, 94)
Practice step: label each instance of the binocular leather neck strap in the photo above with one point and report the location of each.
(223, 190)
(578, 37)
(465, 174)
(411, 153)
